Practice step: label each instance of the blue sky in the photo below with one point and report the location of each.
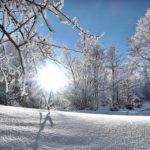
(117, 18)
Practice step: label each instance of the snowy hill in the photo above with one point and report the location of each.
(33, 129)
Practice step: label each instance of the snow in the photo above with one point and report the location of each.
(20, 129)
(143, 111)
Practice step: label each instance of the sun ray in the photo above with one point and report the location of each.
(52, 78)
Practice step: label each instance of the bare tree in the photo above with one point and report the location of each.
(113, 64)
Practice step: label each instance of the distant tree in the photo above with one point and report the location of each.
(146, 77)
(114, 65)
(87, 73)
(75, 73)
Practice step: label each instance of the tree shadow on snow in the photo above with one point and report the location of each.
(42, 126)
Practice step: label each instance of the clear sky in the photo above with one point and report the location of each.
(117, 18)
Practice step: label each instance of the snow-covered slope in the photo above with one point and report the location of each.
(20, 129)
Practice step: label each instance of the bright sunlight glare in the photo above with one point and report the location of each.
(52, 78)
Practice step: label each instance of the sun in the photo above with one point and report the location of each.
(52, 78)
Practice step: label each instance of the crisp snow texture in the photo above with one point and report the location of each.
(32, 129)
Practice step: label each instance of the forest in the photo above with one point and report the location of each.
(97, 76)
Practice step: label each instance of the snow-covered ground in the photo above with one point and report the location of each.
(143, 111)
(32, 129)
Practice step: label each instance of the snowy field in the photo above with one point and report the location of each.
(32, 129)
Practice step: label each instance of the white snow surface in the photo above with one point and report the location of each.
(20, 129)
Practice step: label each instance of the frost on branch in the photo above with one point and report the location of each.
(74, 21)
(140, 42)
(19, 20)
(59, 4)
(87, 41)
(33, 54)
(22, 17)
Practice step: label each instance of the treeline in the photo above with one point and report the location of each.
(99, 76)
